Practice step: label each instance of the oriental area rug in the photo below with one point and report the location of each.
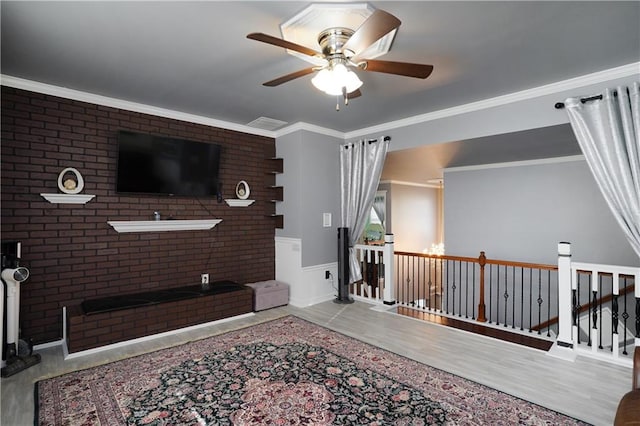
(283, 372)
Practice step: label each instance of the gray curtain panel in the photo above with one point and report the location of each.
(360, 169)
(608, 131)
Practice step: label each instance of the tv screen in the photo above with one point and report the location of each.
(150, 164)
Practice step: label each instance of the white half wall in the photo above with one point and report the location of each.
(307, 285)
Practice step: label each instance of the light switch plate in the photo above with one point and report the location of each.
(326, 220)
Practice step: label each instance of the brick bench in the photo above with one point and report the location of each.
(105, 326)
(269, 294)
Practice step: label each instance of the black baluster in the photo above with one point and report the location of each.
(473, 310)
(578, 313)
(506, 295)
(637, 317)
(548, 300)
(497, 294)
(513, 299)
(453, 304)
(614, 317)
(430, 283)
(460, 292)
(490, 292)
(539, 299)
(625, 317)
(601, 330)
(466, 290)
(594, 313)
(521, 298)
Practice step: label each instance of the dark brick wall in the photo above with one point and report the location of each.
(71, 251)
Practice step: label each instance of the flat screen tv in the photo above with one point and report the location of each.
(149, 164)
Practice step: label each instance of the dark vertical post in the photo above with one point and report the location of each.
(343, 266)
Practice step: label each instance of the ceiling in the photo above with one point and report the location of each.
(424, 164)
(194, 57)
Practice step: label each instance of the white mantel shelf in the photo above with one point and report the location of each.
(67, 198)
(163, 225)
(235, 202)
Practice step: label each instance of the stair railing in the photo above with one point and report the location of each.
(607, 330)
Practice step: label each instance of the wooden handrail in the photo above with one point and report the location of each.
(523, 265)
(584, 307)
(433, 256)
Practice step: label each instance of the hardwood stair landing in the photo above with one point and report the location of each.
(478, 328)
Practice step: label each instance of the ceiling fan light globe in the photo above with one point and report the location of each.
(322, 80)
(332, 81)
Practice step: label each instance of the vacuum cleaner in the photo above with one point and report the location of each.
(17, 354)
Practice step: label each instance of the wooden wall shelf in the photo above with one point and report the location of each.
(163, 225)
(235, 202)
(68, 198)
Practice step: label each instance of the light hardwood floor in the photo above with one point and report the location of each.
(586, 389)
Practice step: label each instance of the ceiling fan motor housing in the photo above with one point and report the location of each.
(332, 41)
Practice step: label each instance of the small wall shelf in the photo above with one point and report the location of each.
(163, 225)
(277, 193)
(276, 166)
(235, 202)
(67, 198)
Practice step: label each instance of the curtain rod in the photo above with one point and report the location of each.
(560, 105)
(370, 141)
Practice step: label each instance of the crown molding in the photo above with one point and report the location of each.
(549, 89)
(77, 95)
(523, 95)
(542, 161)
(406, 183)
(301, 125)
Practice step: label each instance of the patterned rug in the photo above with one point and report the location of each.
(283, 372)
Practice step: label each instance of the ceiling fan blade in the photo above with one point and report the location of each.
(400, 68)
(376, 26)
(278, 81)
(355, 94)
(265, 38)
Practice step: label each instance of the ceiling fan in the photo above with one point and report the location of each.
(341, 51)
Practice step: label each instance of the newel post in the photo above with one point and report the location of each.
(565, 307)
(389, 270)
(482, 260)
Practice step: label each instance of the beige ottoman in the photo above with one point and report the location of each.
(269, 294)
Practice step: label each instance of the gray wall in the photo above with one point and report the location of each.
(311, 181)
(521, 213)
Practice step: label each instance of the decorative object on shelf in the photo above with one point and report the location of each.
(233, 202)
(163, 225)
(70, 188)
(242, 190)
(70, 185)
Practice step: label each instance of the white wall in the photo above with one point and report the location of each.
(414, 216)
(520, 213)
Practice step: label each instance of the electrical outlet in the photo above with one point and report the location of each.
(327, 275)
(204, 278)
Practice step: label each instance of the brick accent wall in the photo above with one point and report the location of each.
(71, 251)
